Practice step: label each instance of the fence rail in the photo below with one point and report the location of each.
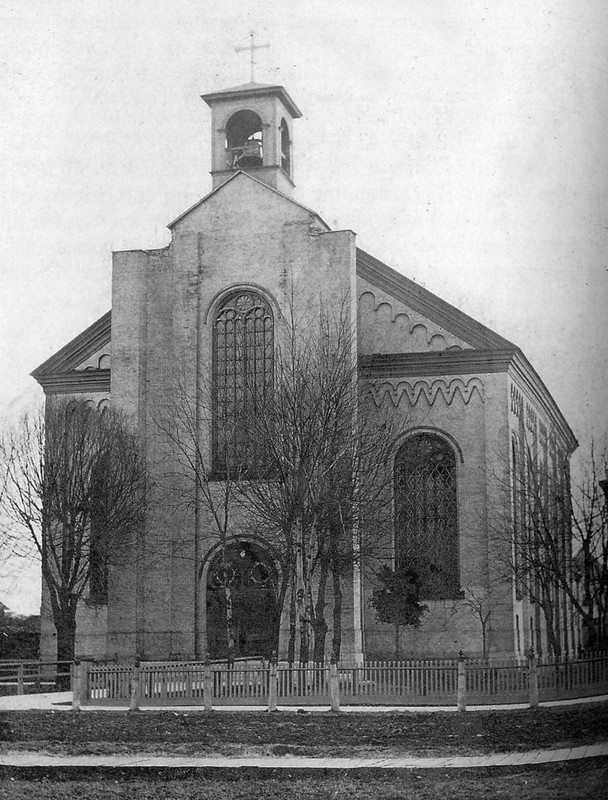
(21, 677)
(258, 683)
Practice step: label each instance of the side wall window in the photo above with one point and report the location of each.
(98, 558)
(242, 382)
(426, 514)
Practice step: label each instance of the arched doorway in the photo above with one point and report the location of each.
(242, 580)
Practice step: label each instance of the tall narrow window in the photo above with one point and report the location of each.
(98, 555)
(518, 516)
(426, 514)
(243, 381)
(285, 148)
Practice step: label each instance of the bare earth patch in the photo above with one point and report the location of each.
(573, 781)
(312, 734)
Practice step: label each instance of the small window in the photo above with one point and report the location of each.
(285, 148)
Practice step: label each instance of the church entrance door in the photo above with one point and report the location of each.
(242, 583)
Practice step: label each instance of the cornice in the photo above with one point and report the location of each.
(445, 362)
(524, 374)
(466, 362)
(77, 350)
(428, 304)
(253, 90)
(81, 382)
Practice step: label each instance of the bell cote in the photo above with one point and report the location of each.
(251, 130)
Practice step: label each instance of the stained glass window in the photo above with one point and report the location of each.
(426, 514)
(243, 381)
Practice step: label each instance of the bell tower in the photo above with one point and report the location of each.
(251, 130)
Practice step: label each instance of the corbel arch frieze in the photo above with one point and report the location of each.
(395, 325)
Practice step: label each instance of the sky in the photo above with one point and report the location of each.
(463, 142)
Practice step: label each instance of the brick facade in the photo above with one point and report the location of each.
(423, 362)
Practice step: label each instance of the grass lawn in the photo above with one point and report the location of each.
(315, 733)
(559, 782)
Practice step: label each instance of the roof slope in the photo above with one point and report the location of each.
(428, 304)
(58, 373)
(255, 180)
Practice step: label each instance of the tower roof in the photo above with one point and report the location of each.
(254, 90)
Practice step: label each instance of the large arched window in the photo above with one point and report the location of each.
(426, 514)
(243, 380)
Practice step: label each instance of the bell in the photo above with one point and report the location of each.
(251, 154)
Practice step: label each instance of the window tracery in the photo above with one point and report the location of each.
(426, 514)
(243, 380)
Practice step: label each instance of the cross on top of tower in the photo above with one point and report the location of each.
(252, 47)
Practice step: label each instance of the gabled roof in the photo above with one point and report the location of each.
(490, 353)
(428, 304)
(252, 178)
(58, 373)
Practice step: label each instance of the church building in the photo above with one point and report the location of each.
(464, 403)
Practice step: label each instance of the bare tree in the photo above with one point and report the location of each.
(483, 603)
(549, 520)
(184, 422)
(75, 494)
(323, 469)
(589, 589)
(539, 532)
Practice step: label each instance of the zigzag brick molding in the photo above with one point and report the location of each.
(430, 390)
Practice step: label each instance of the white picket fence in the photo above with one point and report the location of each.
(373, 683)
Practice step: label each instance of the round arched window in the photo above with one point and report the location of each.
(426, 514)
(242, 383)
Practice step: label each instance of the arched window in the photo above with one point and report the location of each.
(244, 140)
(244, 578)
(285, 148)
(426, 514)
(242, 379)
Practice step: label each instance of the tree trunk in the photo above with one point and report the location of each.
(291, 646)
(398, 642)
(65, 625)
(229, 624)
(301, 593)
(336, 644)
(319, 624)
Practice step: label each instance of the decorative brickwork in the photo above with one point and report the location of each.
(430, 390)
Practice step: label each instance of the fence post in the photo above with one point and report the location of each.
(20, 675)
(273, 685)
(135, 694)
(76, 683)
(461, 700)
(334, 686)
(208, 686)
(533, 678)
